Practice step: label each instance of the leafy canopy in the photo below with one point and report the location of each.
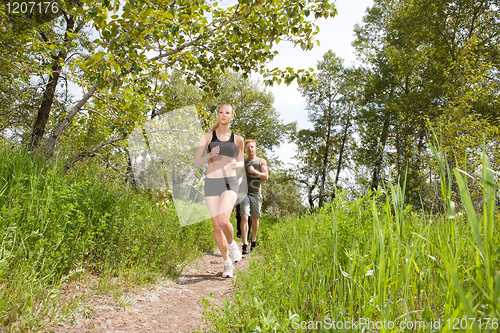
(199, 38)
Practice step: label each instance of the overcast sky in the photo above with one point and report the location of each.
(335, 34)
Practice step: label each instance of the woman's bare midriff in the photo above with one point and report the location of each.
(220, 167)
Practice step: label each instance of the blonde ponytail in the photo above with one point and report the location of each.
(214, 126)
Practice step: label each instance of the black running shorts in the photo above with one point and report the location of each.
(215, 186)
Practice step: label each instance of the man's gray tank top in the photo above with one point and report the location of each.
(252, 180)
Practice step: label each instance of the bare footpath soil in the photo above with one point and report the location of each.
(167, 306)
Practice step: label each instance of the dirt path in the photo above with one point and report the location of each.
(169, 306)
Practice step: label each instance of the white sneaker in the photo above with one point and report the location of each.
(234, 253)
(228, 270)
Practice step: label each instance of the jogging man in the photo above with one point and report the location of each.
(256, 170)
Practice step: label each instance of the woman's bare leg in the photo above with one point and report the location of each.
(228, 199)
(220, 239)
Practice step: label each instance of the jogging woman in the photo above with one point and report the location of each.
(224, 154)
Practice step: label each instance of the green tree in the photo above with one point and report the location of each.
(36, 40)
(139, 39)
(428, 60)
(309, 168)
(377, 117)
(61, 45)
(281, 193)
(330, 111)
(197, 38)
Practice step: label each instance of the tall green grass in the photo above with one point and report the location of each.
(54, 228)
(374, 259)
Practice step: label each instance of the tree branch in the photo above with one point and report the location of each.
(111, 165)
(186, 45)
(90, 152)
(53, 139)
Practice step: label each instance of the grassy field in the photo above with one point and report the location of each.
(374, 264)
(55, 228)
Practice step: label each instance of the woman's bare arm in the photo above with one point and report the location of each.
(241, 154)
(200, 159)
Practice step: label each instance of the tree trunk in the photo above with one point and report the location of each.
(47, 101)
(310, 198)
(380, 153)
(342, 148)
(50, 90)
(325, 157)
(325, 166)
(57, 133)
